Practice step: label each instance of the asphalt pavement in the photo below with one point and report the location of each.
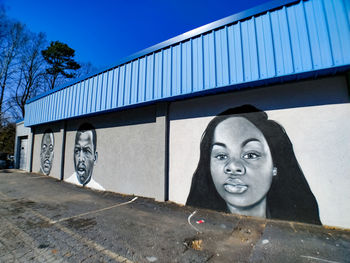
(46, 220)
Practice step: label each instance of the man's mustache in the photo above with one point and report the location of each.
(45, 158)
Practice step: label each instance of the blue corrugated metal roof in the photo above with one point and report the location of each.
(269, 42)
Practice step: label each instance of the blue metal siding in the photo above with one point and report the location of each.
(77, 98)
(296, 38)
(120, 86)
(319, 36)
(109, 85)
(166, 81)
(58, 107)
(176, 70)
(114, 83)
(186, 67)
(134, 82)
(51, 106)
(209, 61)
(236, 54)
(158, 67)
(64, 95)
(102, 86)
(84, 96)
(197, 68)
(142, 80)
(126, 86)
(69, 100)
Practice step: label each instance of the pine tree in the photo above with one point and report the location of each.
(59, 56)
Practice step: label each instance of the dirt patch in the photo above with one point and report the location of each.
(239, 241)
(41, 246)
(81, 223)
(245, 233)
(194, 243)
(39, 224)
(26, 203)
(15, 210)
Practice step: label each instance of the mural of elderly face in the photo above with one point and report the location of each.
(85, 155)
(46, 152)
(241, 166)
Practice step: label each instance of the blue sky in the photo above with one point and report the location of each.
(103, 32)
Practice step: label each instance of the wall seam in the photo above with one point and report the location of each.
(166, 154)
(63, 153)
(32, 150)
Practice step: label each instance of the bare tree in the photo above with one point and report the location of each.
(85, 69)
(10, 45)
(30, 76)
(26, 68)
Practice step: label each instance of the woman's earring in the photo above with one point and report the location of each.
(274, 171)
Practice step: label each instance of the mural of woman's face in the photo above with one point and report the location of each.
(46, 153)
(240, 163)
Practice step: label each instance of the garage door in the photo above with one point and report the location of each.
(23, 154)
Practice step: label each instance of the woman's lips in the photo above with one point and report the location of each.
(235, 186)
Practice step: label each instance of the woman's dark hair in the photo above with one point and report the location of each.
(289, 197)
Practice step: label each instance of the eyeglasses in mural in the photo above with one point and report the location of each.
(247, 166)
(47, 152)
(85, 157)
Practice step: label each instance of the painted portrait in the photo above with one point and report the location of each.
(47, 152)
(85, 157)
(247, 166)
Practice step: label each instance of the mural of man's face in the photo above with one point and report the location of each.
(46, 153)
(85, 156)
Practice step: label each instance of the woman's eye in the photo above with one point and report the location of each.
(251, 155)
(221, 157)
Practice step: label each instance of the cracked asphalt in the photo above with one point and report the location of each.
(46, 220)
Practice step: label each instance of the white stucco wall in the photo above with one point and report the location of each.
(315, 115)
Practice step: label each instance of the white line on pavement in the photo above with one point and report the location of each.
(189, 221)
(319, 259)
(93, 212)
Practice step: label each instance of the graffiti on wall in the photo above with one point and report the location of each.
(85, 157)
(247, 166)
(47, 152)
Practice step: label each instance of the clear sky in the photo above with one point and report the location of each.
(104, 31)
